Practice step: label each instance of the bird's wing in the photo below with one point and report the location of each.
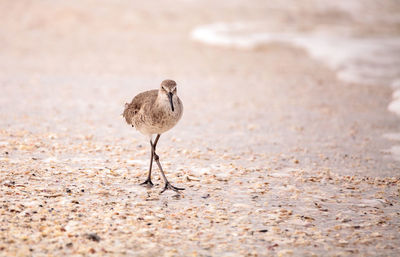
(131, 109)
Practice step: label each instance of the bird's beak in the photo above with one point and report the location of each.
(170, 100)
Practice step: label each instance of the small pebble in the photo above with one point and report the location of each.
(93, 237)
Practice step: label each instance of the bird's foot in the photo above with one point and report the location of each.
(171, 187)
(147, 183)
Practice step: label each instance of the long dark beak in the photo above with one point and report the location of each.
(170, 100)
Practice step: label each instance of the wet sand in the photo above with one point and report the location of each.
(277, 155)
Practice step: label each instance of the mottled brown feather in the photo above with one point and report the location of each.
(138, 103)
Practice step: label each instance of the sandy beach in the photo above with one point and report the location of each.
(288, 145)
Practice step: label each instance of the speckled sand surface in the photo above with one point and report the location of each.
(278, 156)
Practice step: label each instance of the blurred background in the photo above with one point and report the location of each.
(304, 83)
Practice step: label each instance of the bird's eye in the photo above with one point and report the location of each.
(174, 91)
(163, 88)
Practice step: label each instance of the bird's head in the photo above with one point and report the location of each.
(168, 88)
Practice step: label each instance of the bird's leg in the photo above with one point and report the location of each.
(153, 149)
(148, 180)
(157, 159)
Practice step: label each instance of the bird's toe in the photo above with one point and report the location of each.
(171, 187)
(147, 183)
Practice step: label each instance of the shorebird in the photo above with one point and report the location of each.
(153, 113)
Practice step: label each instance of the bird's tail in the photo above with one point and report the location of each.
(128, 114)
(126, 107)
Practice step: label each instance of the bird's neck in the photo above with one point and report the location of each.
(162, 101)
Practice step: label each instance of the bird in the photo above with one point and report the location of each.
(152, 113)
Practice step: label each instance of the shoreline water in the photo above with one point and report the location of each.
(371, 61)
